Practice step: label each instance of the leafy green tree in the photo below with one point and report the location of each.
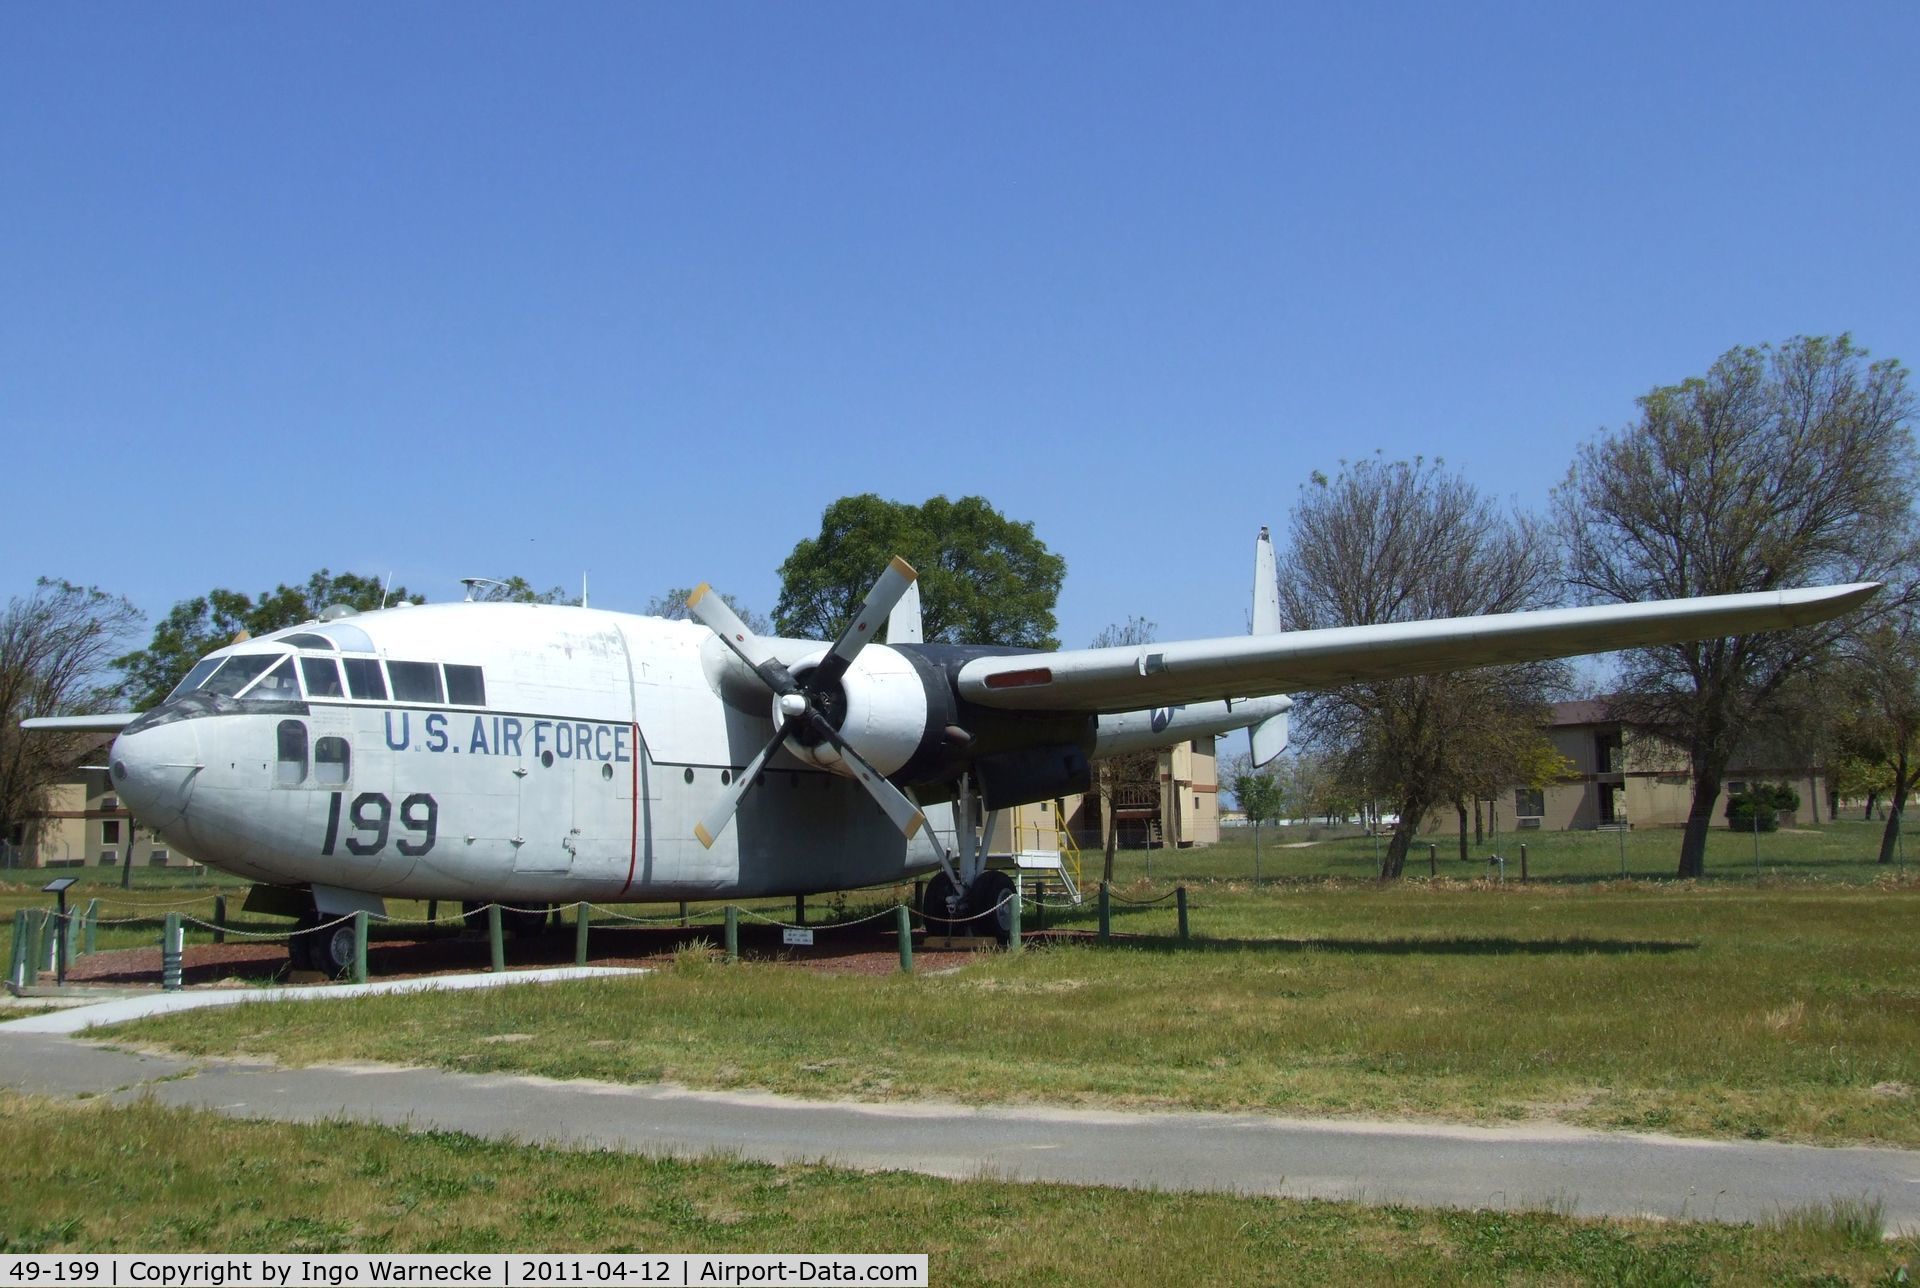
(1880, 676)
(54, 649)
(984, 578)
(195, 627)
(1262, 799)
(1779, 468)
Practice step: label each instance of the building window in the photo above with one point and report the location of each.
(159, 857)
(110, 832)
(1529, 802)
(108, 858)
(109, 803)
(291, 770)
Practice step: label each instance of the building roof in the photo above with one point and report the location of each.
(1585, 711)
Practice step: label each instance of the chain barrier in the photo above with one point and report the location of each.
(673, 917)
(1140, 903)
(158, 903)
(887, 911)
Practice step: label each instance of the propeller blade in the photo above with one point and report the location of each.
(716, 819)
(905, 814)
(886, 592)
(713, 612)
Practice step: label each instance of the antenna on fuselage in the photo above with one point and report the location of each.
(385, 587)
(583, 588)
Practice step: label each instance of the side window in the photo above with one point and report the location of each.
(332, 761)
(466, 686)
(416, 682)
(364, 680)
(291, 768)
(322, 675)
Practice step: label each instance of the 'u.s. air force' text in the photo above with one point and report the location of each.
(511, 736)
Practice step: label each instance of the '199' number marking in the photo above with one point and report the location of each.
(371, 818)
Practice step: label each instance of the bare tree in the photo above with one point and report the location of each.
(54, 647)
(1405, 541)
(673, 606)
(1131, 775)
(1778, 468)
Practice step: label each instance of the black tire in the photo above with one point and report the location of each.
(934, 911)
(329, 950)
(990, 898)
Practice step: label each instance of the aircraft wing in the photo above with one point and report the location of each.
(1135, 677)
(112, 722)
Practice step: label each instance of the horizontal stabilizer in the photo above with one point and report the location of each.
(1269, 739)
(1132, 677)
(111, 722)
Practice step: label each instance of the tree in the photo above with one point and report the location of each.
(518, 590)
(984, 578)
(54, 646)
(1778, 468)
(195, 627)
(1261, 798)
(1131, 774)
(673, 607)
(1406, 541)
(1880, 676)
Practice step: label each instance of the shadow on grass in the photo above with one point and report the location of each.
(1483, 946)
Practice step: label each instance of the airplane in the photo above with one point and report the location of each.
(539, 754)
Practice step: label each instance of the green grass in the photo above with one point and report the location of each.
(1790, 1011)
(144, 1178)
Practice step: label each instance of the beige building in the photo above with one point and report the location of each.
(1620, 776)
(85, 825)
(1181, 808)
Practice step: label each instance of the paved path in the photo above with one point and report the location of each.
(1567, 1169)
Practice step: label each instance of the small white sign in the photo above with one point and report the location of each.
(797, 938)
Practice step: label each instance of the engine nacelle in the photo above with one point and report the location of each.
(881, 707)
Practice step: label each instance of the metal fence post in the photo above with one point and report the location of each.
(17, 961)
(495, 945)
(360, 946)
(220, 919)
(1433, 859)
(170, 952)
(1013, 920)
(1523, 862)
(733, 933)
(582, 915)
(1180, 903)
(903, 925)
(433, 911)
(1106, 913)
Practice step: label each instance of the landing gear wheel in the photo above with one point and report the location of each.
(992, 895)
(329, 950)
(525, 923)
(934, 909)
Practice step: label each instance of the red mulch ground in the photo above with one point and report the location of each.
(856, 950)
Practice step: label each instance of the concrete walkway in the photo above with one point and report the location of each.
(1565, 1169)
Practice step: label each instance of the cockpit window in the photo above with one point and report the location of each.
(466, 686)
(364, 679)
(277, 685)
(322, 675)
(236, 672)
(416, 681)
(197, 676)
(306, 639)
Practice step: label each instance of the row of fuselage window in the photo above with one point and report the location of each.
(257, 676)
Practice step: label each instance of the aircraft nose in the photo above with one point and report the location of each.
(154, 771)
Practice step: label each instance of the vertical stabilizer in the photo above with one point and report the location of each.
(903, 623)
(1268, 738)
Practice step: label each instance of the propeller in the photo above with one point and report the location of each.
(803, 704)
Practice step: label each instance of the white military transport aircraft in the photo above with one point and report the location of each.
(537, 754)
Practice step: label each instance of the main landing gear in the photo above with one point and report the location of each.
(318, 946)
(970, 899)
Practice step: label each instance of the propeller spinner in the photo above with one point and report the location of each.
(803, 706)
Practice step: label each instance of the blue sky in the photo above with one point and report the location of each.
(639, 289)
